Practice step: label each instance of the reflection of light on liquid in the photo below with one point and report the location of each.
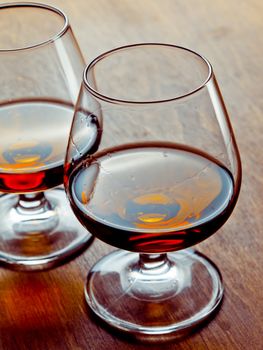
(26, 154)
(153, 199)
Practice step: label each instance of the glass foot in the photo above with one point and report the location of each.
(154, 294)
(39, 231)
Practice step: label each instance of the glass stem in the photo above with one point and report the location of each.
(31, 203)
(154, 264)
(33, 213)
(153, 277)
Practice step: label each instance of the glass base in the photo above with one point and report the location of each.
(41, 235)
(159, 297)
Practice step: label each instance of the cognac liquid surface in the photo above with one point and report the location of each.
(152, 197)
(34, 136)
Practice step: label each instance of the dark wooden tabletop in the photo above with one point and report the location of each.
(47, 310)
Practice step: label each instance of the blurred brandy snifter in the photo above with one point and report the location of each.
(163, 175)
(41, 68)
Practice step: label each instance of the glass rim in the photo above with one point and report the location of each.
(39, 5)
(110, 99)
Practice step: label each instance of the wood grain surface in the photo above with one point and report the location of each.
(47, 310)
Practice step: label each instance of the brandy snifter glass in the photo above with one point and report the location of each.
(152, 168)
(41, 69)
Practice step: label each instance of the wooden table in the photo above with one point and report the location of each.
(47, 310)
